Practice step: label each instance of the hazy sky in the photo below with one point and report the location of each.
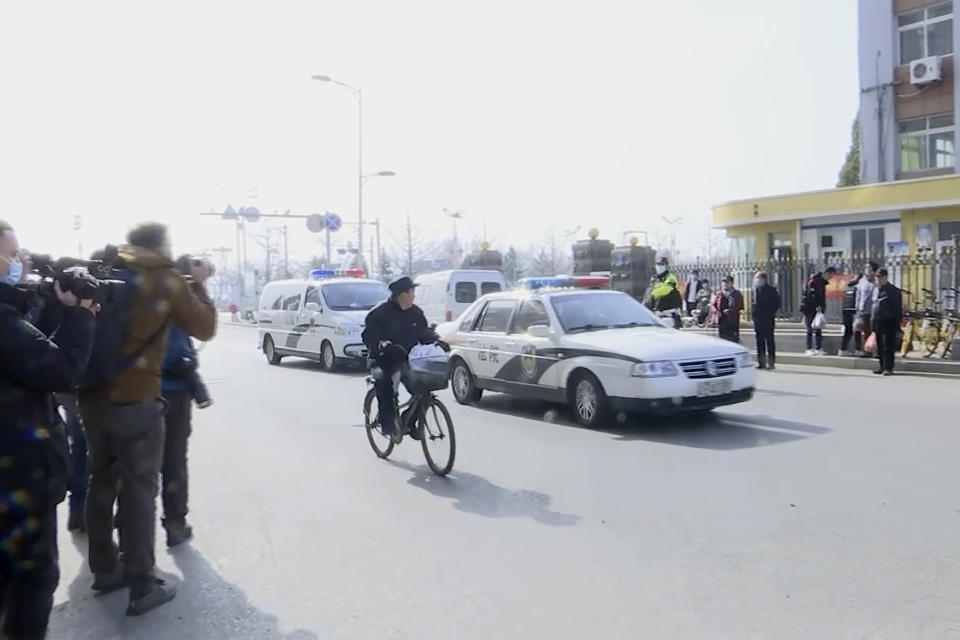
(524, 114)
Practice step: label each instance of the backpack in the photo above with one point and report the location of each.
(116, 297)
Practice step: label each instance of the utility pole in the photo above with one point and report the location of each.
(77, 226)
(409, 246)
(286, 252)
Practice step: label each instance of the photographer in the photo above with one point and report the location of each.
(181, 386)
(33, 446)
(124, 419)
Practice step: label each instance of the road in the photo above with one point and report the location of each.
(827, 507)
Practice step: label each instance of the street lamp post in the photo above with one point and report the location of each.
(358, 93)
(455, 249)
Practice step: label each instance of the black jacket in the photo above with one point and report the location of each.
(888, 303)
(32, 366)
(391, 323)
(814, 295)
(766, 303)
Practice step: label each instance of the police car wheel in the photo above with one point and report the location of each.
(328, 357)
(587, 399)
(270, 351)
(464, 387)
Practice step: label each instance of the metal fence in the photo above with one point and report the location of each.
(929, 279)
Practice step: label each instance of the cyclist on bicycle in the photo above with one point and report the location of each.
(398, 321)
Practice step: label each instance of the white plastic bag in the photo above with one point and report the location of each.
(818, 322)
(427, 353)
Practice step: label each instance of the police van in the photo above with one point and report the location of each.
(444, 295)
(320, 318)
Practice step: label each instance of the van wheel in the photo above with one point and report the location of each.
(328, 357)
(465, 390)
(587, 399)
(270, 351)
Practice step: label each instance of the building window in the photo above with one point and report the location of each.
(926, 32)
(927, 143)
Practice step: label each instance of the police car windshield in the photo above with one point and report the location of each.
(592, 312)
(354, 296)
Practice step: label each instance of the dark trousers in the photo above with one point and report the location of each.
(126, 446)
(886, 342)
(174, 472)
(29, 570)
(690, 307)
(728, 330)
(77, 482)
(848, 317)
(766, 346)
(812, 333)
(385, 399)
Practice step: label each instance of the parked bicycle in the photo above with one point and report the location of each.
(928, 329)
(423, 416)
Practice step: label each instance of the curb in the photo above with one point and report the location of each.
(902, 365)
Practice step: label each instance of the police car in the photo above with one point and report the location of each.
(599, 351)
(320, 318)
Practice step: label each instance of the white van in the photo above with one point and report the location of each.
(444, 295)
(320, 318)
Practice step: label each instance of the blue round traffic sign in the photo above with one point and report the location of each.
(332, 222)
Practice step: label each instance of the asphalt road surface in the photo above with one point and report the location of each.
(827, 507)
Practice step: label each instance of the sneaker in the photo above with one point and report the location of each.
(770, 367)
(811, 352)
(76, 522)
(888, 373)
(161, 594)
(178, 534)
(761, 366)
(104, 583)
(820, 352)
(878, 372)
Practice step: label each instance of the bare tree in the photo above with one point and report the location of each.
(411, 249)
(552, 256)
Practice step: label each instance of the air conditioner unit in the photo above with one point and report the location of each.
(925, 70)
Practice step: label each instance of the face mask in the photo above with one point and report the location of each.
(757, 283)
(661, 269)
(16, 271)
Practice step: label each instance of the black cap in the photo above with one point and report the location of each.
(662, 260)
(402, 285)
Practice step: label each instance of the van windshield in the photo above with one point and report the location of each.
(354, 296)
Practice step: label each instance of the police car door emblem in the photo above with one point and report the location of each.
(711, 368)
(528, 361)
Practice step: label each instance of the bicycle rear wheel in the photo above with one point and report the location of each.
(437, 437)
(382, 444)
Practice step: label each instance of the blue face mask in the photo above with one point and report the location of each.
(16, 271)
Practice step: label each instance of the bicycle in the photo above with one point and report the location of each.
(921, 326)
(950, 321)
(423, 416)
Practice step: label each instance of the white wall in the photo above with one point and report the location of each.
(877, 38)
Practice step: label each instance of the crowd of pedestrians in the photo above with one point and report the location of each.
(95, 399)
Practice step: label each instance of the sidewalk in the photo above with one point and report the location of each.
(902, 365)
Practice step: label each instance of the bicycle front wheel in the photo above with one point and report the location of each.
(437, 437)
(382, 444)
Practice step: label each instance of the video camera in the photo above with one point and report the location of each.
(86, 279)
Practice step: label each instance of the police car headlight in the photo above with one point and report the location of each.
(654, 370)
(744, 361)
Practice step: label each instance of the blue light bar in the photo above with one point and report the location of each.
(547, 283)
(320, 274)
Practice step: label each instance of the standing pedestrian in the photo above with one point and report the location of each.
(729, 304)
(78, 461)
(887, 313)
(863, 324)
(124, 420)
(33, 444)
(691, 292)
(849, 317)
(815, 302)
(765, 307)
